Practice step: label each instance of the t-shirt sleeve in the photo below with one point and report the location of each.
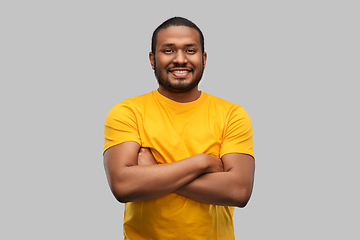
(238, 133)
(120, 126)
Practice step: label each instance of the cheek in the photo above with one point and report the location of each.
(163, 58)
(161, 64)
(196, 61)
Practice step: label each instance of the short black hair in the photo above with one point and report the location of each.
(176, 21)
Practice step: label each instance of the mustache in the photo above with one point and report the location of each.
(176, 65)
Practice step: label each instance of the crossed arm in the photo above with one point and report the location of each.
(134, 175)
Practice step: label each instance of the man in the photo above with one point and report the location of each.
(179, 158)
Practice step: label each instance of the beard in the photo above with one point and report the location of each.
(179, 86)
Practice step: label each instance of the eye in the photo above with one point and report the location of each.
(167, 50)
(191, 51)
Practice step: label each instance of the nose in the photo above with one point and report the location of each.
(180, 58)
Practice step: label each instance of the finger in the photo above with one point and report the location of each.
(143, 150)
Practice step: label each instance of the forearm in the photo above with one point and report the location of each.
(137, 183)
(222, 188)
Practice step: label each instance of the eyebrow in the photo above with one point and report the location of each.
(186, 45)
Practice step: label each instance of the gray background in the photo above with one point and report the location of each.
(293, 65)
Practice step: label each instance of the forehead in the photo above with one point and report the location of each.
(178, 35)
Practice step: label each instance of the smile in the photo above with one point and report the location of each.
(180, 73)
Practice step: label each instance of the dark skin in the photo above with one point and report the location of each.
(179, 48)
(132, 171)
(199, 189)
(130, 181)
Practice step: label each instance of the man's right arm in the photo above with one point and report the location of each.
(130, 182)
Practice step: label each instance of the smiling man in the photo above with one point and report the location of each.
(183, 72)
(179, 158)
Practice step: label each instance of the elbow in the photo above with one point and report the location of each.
(241, 198)
(242, 204)
(121, 193)
(120, 197)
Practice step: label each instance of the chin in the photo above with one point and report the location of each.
(180, 87)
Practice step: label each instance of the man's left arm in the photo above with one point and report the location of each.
(233, 187)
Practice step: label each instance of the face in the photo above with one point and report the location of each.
(178, 60)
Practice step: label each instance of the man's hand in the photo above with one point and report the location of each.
(145, 157)
(232, 187)
(214, 164)
(134, 175)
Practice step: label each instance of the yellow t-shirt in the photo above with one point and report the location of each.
(174, 131)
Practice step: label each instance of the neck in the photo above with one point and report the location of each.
(189, 96)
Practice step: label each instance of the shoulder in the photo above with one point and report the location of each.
(129, 108)
(138, 99)
(222, 104)
(231, 112)
(134, 102)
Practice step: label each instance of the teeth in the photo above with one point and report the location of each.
(180, 71)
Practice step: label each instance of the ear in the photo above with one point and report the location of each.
(152, 60)
(204, 58)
